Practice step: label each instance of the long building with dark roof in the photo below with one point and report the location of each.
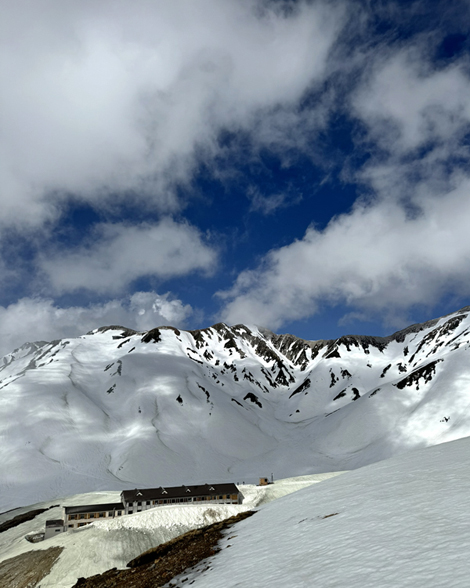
(137, 500)
(142, 499)
(78, 516)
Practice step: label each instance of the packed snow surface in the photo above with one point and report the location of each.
(112, 543)
(115, 409)
(404, 522)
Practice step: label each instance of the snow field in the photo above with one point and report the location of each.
(403, 522)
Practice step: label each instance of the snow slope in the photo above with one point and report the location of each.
(107, 544)
(116, 409)
(403, 522)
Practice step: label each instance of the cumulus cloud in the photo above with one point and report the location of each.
(407, 243)
(119, 254)
(407, 104)
(37, 319)
(377, 259)
(117, 96)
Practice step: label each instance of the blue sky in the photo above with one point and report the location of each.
(300, 165)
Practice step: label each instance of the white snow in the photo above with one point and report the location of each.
(403, 522)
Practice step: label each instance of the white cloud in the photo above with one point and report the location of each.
(36, 319)
(406, 244)
(120, 254)
(149, 307)
(114, 96)
(271, 203)
(377, 259)
(406, 104)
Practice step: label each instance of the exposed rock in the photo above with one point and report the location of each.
(340, 395)
(21, 518)
(253, 398)
(152, 335)
(426, 372)
(385, 370)
(301, 388)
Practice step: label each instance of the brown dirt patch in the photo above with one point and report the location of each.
(27, 569)
(159, 565)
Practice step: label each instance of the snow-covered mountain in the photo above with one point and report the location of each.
(118, 409)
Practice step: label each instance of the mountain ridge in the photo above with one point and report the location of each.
(117, 408)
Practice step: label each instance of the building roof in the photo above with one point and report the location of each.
(93, 508)
(54, 523)
(178, 492)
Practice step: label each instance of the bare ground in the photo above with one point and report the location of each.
(27, 569)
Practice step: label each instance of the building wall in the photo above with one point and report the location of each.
(74, 521)
(139, 506)
(52, 532)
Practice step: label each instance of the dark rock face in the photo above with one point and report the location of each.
(342, 394)
(304, 386)
(124, 331)
(253, 398)
(152, 336)
(425, 373)
(22, 518)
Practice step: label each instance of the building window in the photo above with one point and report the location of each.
(139, 504)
